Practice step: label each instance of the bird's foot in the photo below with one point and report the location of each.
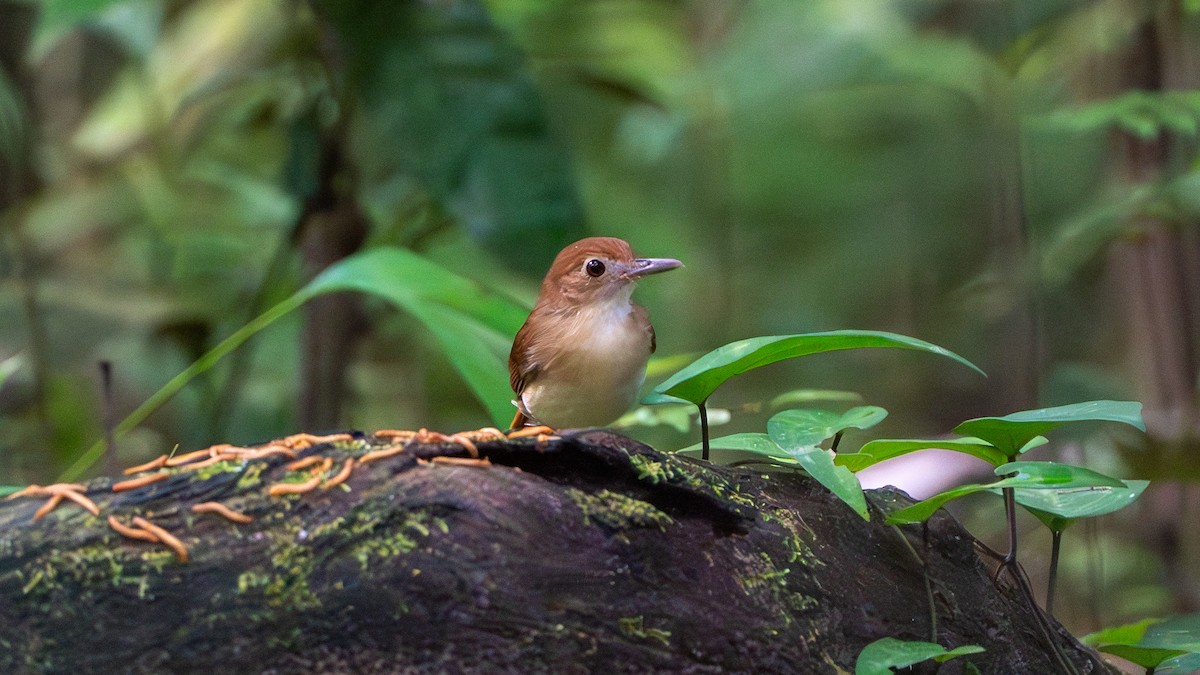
(541, 430)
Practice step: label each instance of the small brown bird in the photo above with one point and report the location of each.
(580, 358)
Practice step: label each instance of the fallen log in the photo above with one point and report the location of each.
(586, 553)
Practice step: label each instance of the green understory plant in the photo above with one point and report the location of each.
(1061, 508)
(1158, 645)
(697, 382)
(884, 655)
(1000, 441)
(1058, 494)
(795, 437)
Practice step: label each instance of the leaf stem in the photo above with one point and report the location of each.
(108, 417)
(703, 430)
(1054, 548)
(1010, 511)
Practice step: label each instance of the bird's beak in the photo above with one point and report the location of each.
(643, 267)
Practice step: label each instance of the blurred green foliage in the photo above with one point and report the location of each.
(947, 169)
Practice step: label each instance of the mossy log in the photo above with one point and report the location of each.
(589, 553)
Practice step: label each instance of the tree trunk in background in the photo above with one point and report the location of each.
(1158, 274)
(18, 182)
(591, 553)
(332, 228)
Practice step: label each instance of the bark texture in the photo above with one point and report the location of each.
(592, 553)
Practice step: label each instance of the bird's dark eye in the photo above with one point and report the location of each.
(594, 268)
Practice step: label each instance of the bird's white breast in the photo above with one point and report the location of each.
(597, 370)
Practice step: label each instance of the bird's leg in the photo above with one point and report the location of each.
(519, 420)
(539, 431)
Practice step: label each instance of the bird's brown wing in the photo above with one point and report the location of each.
(521, 365)
(643, 315)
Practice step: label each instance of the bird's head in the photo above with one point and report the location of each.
(597, 269)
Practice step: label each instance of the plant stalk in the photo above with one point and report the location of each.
(1054, 547)
(108, 418)
(1010, 511)
(703, 431)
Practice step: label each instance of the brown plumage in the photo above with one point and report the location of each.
(580, 358)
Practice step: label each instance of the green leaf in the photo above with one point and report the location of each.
(1174, 642)
(1131, 642)
(1059, 508)
(655, 398)
(1034, 475)
(1054, 474)
(809, 395)
(473, 328)
(798, 432)
(838, 479)
(6, 490)
(1011, 432)
(58, 17)
(1130, 633)
(759, 444)
(1177, 632)
(442, 96)
(798, 428)
(876, 451)
(1187, 664)
(1035, 442)
(881, 656)
(699, 380)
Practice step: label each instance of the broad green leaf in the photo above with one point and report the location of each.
(881, 656)
(1059, 508)
(442, 97)
(757, 443)
(1056, 474)
(1150, 641)
(699, 380)
(838, 479)
(1146, 657)
(1011, 432)
(1130, 633)
(655, 398)
(472, 326)
(59, 17)
(1176, 632)
(810, 395)
(1035, 442)
(1187, 664)
(1034, 475)
(876, 451)
(800, 428)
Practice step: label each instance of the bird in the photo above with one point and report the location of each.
(580, 358)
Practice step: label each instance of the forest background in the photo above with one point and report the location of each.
(1014, 180)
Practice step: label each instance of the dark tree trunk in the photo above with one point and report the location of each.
(1159, 273)
(593, 553)
(332, 228)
